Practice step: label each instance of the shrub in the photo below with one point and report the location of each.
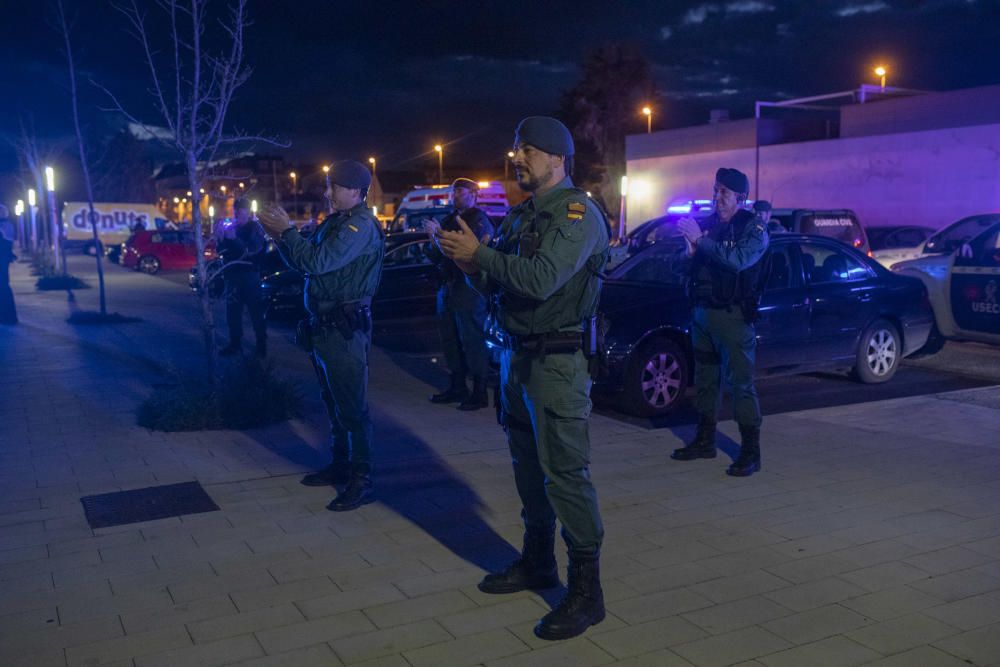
(249, 394)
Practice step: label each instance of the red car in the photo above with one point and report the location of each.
(151, 251)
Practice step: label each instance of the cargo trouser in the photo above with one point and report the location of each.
(546, 406)
(342, 367)
(461, 313)
(243, 289)
(724, 346)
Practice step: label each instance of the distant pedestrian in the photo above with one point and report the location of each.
(461, 310)
(342, 263)
(8, 311)
(725, 251)
(241, 244)
(762, 208)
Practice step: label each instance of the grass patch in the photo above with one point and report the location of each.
(60, 282)
(93, 317)
(248, 395)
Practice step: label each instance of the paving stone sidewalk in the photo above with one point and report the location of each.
(872, 536)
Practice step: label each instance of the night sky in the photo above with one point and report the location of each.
(392, 78)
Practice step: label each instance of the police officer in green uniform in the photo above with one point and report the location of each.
(542, 273)
(461, 310)
(342, 264)
(726, 269)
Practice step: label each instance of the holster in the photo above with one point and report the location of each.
(594, 332)
(346, 318)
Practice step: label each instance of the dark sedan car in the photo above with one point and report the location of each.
(406, 294)
(826, 306)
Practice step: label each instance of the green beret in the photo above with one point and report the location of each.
(466, 183)
(350, 174)
(545, 133)
(734, 179)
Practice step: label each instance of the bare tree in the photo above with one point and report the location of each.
(83, 155)
(32, 158)
(192, 89)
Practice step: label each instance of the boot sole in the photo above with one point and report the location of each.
(694, 458)
(746, 472)
(348, 508)
(507, 590)
(543, 633)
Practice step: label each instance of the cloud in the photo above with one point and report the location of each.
(748, 7)
(698, 14)
(868, 8)
(666, 32)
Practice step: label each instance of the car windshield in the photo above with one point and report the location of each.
(661, 263)
(409, 221)
(954, 235)
(842, 227)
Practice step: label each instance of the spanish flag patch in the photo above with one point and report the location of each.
(575, 210)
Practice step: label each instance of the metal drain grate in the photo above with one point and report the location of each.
(154, 502)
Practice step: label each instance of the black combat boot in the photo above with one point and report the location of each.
(703, 445)
(456, 391)
(583, 605)
(234, 347)
(359, 491)
(748, 462)
(478, 399)
(338, 472)
(536, 569)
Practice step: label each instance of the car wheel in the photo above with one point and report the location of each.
(656, 378)
(148, 264)
(879, 353)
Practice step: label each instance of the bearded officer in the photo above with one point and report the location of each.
(542, 272)
(726, 251)
(342, 264)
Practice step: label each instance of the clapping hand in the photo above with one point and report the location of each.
(274, 220)
(459, 246)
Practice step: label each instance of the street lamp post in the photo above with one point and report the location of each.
(440, 151)
(648, 113)
(506, 165)
(33, 214)
(50, 185)
(621, 213)
(880, 72)
(22, 232)
(295, 192)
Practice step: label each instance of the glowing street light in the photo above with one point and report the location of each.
(50, 179)
(177, 200)
(295, 190)
(32, 214)
(50, 185)
(881, 71)
(326, 169)
(371, 161)
(648, 113)
(506, 165)
(211, 213)
(440, 151)
(253, 206)
(241, 185)
(19, 207)
(32, 201)
(222, 188)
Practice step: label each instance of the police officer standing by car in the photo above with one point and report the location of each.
(543, 272)
(342, 264)
(241, 244)
(461, 310)
(726, 271)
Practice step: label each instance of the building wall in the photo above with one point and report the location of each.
(929, 178)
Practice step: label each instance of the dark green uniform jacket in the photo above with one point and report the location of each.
(341, 262)
(555, 287)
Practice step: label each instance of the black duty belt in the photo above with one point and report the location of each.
(554, 342)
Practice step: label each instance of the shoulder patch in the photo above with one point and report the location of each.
(576, 210)
(352, 227)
